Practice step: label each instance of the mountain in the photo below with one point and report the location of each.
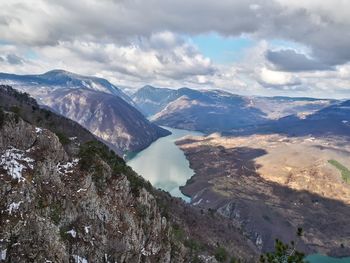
(214, 110)
(65, 197)
(151, 100)
(94, 103)
(333, 120)
(58, 79)
(208, 111)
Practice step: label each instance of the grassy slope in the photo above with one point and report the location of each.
(345, 172)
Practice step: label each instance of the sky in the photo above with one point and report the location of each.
(260, 47)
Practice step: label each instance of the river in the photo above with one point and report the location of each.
(164, 164)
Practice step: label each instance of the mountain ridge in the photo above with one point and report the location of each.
(219, 111)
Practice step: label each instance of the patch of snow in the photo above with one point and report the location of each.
(81, 190)
(344, 121)
(38, 130)
(15, 162)
(72, 232)
(13, 207)
(3, 254)
(198, 202)
(67, 167)
(79, 259)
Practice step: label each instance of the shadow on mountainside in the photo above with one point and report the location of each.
(226, 180)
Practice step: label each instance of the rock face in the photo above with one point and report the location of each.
(67, 198)
(94, 103)
(213, 110)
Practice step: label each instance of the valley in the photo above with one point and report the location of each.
(180, 131)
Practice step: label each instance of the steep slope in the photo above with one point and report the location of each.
(208, 111)
(71, 199)
(212, 110)
(94, 103)
(107, 116)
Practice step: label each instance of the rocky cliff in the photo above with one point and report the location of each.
(65, 197)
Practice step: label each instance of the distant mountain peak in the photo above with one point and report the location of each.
(57, 71)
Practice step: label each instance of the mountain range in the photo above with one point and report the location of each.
(95, 103)
(218, 111)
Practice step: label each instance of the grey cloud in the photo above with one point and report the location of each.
(290, 60)
(295, 85)
(14, 59)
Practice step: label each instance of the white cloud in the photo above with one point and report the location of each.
(276, 77)
(137, 42)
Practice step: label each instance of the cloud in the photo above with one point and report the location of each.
(14, 59)
(322, 25)
(276, 78)
(144, 60)
(290, 60)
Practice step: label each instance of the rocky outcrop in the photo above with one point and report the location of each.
(54, 211)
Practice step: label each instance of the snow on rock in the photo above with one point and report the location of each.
(14, 162)
(79, 259)
(13, 207)
(68, 167)
(72, 232)
(258, 241)
(145, 252)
